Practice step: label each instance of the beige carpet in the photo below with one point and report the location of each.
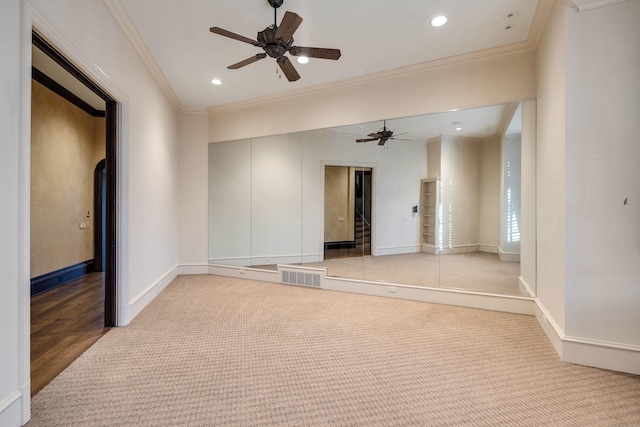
(214, 351)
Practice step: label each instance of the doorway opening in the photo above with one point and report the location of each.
(347, 212)
(74, 295)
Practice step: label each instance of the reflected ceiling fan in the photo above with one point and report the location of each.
(276, 41)
(382, 136)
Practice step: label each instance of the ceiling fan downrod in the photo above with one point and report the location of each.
(275, 4)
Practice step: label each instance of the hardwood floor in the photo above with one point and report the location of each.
(362, 239)
(65, 322)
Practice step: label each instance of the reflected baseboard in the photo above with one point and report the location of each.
(395, 250)
(458, 297)
(525, 289)
(249, 262)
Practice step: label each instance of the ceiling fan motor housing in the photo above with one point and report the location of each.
(267, 41)
(275, 3)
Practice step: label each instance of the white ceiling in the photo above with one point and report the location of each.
(373, 35)
(473, 123)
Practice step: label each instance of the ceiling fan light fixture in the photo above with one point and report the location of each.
(439, 21)
(216, 82)
(302, 60)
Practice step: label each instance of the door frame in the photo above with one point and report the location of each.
(111, 155)
(99, 198)
(371, 166)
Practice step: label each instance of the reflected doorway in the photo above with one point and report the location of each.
(347, 212)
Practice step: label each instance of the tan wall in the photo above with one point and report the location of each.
(63, 158)
(338, 202)
(99, 139)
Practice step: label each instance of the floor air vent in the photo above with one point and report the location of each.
(300, 278)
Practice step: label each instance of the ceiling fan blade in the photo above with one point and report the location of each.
(290, 23)
(374, 135)
(288, 69)
(247, 61)
(400, 139)
(315, 52)
(223, 32)
(366, 139)
(382, 142)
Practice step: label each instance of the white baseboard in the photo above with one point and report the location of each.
(10, 410)
(145, 297)
(396, 250)
(492, 249)
(189, 269)
(459, 249)
(581, 351)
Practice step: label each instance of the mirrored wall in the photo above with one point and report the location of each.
(442, 200)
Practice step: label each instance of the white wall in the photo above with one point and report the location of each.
(12, 379)
(92, 38)
(276, 198)
(528, 196)
(460, 193)
(192, 197)
(550, 174)
(489, 213)
(602, 170)
(229, 196)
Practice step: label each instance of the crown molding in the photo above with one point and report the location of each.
(192, 110)
(583, 5)
(119, 13)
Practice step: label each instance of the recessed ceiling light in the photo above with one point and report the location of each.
(509, 27)
(439, 21)
(458, 128)
(302, 60)
(216, 82)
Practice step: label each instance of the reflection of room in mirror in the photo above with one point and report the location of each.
(294, 199)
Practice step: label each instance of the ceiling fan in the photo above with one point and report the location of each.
(276, 41)
(382, 136)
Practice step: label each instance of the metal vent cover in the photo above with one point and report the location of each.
(300, 278)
